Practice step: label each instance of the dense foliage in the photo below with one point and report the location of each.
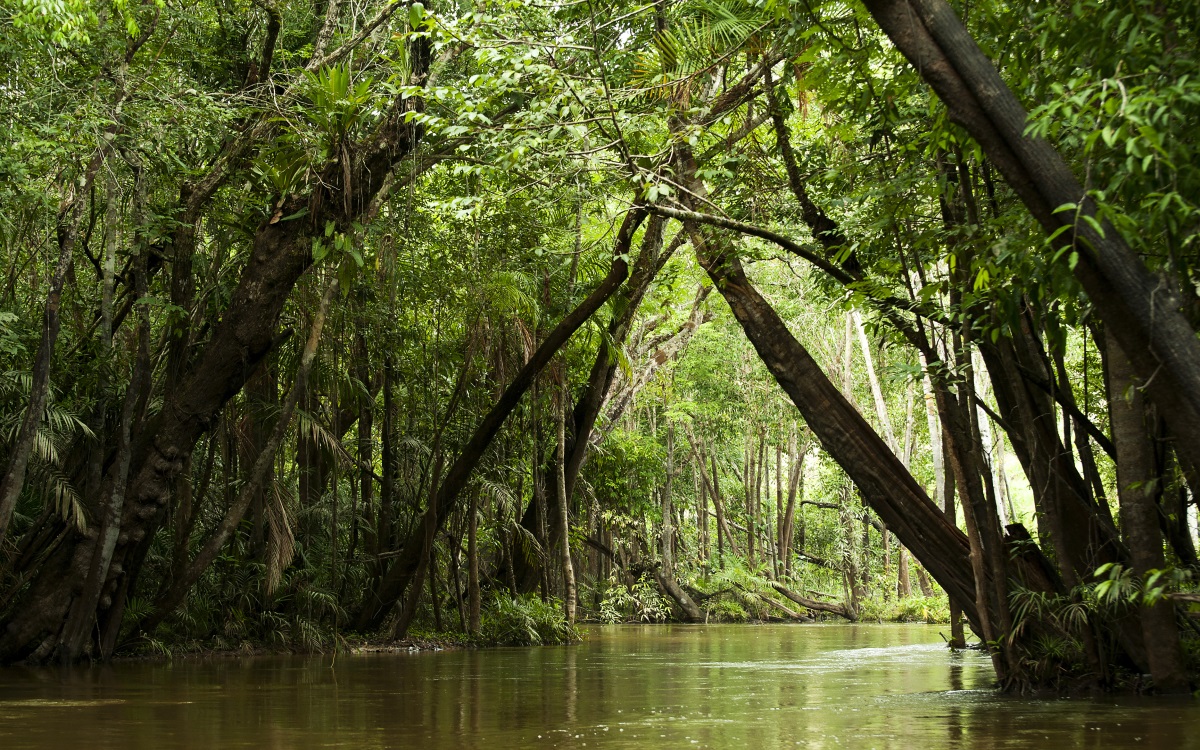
(385, 317)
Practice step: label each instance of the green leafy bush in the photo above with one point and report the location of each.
(638, 603)
(934, 610)
(524, 621)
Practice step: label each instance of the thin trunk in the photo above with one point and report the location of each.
(435, 596)
(392, 586)
(935, 441)
(779, 508)
(473, 607)
(537, 481)
(748, 495)
(701, 495)
(881, 412)
(667, 540)
(455, 581)
(795, 491)
(958, 639)
(560, 481)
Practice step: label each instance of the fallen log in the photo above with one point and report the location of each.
(779, 606)
(813, 604)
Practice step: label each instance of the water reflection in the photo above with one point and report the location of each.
(763, 687)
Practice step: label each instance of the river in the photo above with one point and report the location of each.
(656, 686)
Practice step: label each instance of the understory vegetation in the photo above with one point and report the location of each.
(335, 323)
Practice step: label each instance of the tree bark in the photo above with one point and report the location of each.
(1138, 484)
(1142, 314)
(560, 477)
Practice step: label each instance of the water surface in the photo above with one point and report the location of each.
(660, 686)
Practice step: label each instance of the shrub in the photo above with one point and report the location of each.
(524, 621)
(638, 603)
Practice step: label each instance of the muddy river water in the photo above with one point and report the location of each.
(656, 686)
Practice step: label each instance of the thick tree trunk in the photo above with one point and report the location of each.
(1142, 313)
(1138, 483)
(167, 603)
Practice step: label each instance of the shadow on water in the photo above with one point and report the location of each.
(763, 687)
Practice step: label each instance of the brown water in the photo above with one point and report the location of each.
(761, 687)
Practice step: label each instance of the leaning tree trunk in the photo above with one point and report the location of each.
(1141, 312)
(410, 560)
(886, 485)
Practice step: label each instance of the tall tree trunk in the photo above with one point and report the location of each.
(701, 495)
(387, 491)
(473, 606)
(667, 538)
(1138, 483)
(795, 491)
(568, 569)
(748, 455)
(881, 411)
(366, 434)
(778, 529)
